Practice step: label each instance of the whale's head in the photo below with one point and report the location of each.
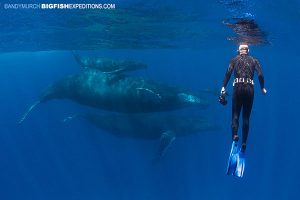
(190, 99)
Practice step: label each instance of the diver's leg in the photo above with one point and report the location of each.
(236, 110)
(247, 107)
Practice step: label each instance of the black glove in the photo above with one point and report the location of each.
(222, 99)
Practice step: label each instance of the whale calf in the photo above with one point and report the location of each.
(120, 93)
(107, 65)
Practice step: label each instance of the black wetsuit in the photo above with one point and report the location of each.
(243, 93)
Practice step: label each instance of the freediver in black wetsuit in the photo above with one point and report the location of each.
(243, 67)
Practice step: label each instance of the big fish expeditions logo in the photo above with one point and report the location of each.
(79, 6)
(60, 6)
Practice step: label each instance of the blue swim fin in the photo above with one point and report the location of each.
(233, 159)
(240, 167)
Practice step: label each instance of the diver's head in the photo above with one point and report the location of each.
(243, 49)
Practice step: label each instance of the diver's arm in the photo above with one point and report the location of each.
(260, 77)
(227, 76)
(228, 73)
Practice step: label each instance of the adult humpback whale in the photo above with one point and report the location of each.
(150, 126)
(116, 92)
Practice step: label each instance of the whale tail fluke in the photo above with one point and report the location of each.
(28, 111)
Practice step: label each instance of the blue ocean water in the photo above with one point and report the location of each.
(184, 43)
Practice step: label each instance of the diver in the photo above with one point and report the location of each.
(243, 67)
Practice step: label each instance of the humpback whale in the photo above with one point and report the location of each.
(151, 126)
(107, 65)
(120, 93)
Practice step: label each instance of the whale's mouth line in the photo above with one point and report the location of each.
(150, 91)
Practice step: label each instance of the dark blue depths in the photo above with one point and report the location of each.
(46, 159)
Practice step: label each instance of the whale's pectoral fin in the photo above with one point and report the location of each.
(28, 111)
(166, 140)
(149, 94)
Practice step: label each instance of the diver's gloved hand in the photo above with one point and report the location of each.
(223, 90)
(222, 97)
(264, 91)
